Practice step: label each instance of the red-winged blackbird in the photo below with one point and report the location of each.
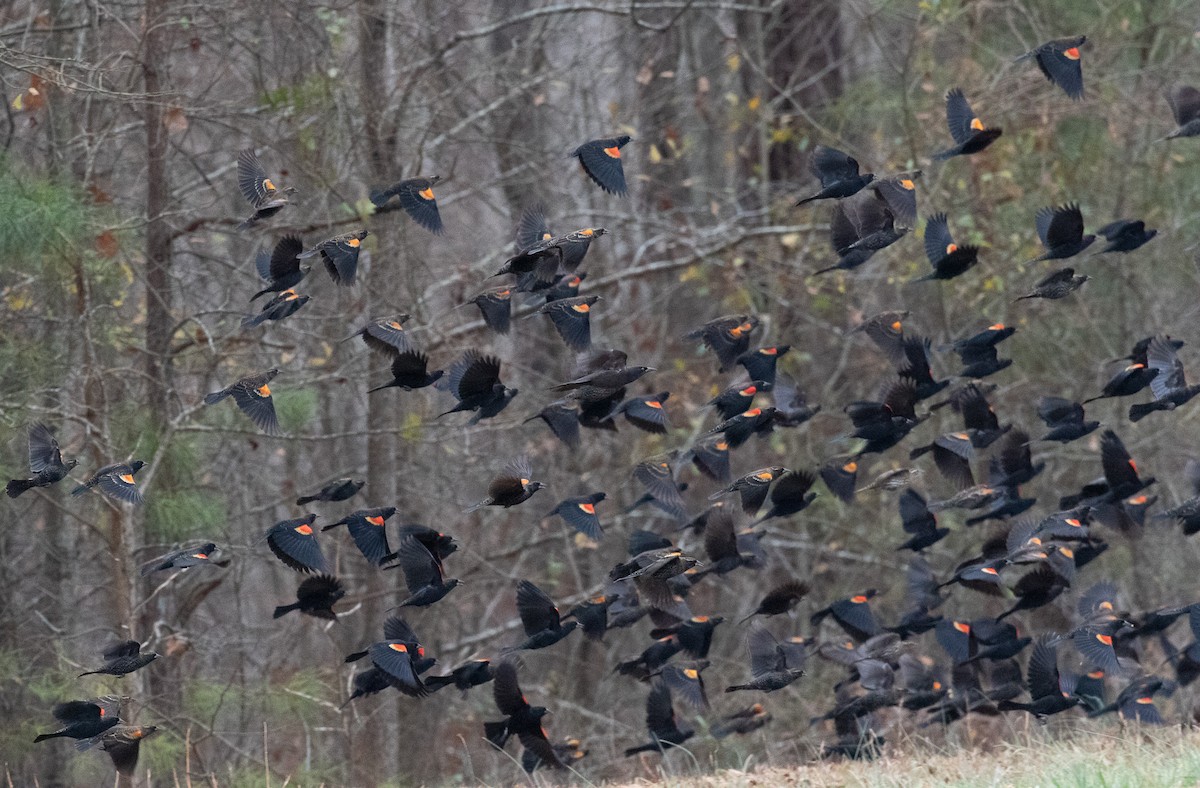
(894, 479)
(533, 230)
(841, 478)
(781, 599)
(1037, 589)
(969, 133)
(886, 329)
(123, 658)
(711, 457)
(858, 228)
(1120, 471)
(422, 574)
(791, 403)
(316, 597)
(1185, 106)
(396, 658)
(252, 395)
(539, 616)
(496, 307)
(536, 267)
(465, 676)
(1065, 418)
(417, 200)
(368, 530)
(695, 635)
(884, 424)
(259, 190)
(562, 421)
(115, 481)
(978, 353)
(1169, 386)
(773, 665)
(646, 413)
(601, 160)
(572, 320)
(736, 399)
(1059, 284)
(83, 719)
(45, 462)
(760, 363)
(687, 681)
(520, 719)
(281, 268)
(568, 751)
(791, 494)
(742, 721)
(651, 659)
(853, 615)
(580, 514)
(410, 371)
(511, 487)
(658, 478)
(752, 488)
(838, 174)
(340, 255)
(295, 543)
(603, 383)
(336, 490)
(918, 521)
(1186, 514)
(1135, 702)
(1125, 235)
(1049, 691)
(385, 336)
(284, 304)
(592, 616)
(182, 559)
(947, 258)
(474, 380)
(661, 722)
(441, 546)
(1059, 62)
(1061, 232)
(652, 572)
(952, 454)
(1127, 382)
(899, 193)
(567, 286)
(122, 743)
(756, 421)
(728, 337)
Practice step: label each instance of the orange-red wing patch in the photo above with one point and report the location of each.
(977, 124)
(963, 627)
(951, 248)
(426, 193)
(996, 327)
(988, 570)
(264, 390)
(354, 242)
(376, 520)
(859, 600)
(398, 647)
(1105, 639)
(126, 477)
(583, 308)
(304, 529)
(613, 152)
(201, 556)
(588, 508)
(1072, 53)
(850, 467)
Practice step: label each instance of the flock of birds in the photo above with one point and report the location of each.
(1032, 561)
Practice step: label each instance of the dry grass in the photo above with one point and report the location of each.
(1112, 758)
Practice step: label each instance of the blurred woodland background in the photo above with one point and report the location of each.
(122, 283)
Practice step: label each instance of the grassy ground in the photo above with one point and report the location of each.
(1113, 759)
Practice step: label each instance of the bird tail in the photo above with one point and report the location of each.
(1140, 411)
(381, 388)
(379, 197)
(824, 270)
(44, 736)
(246, 225)
(946, 154)
(260, 294)
(18, 486)
(250, 321)
(805, 200)
(216, 396)
(305, 499)
(1091, 399)
(81, 489)
(283, 610)
(738, 687)
(496, 733)
(476, 507)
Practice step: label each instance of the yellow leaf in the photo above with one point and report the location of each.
(19, 102)
(18, 301)
(734, 61)
(790, 240)
(655, 156)
(754, 103)
(781, 135)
